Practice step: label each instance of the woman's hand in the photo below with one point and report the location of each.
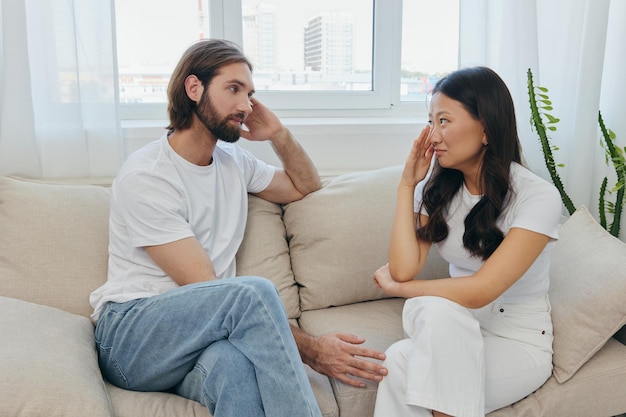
(418, 162)
(384, 280)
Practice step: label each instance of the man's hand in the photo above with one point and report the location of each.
(299, 176)
(261, 123)
(338, 355)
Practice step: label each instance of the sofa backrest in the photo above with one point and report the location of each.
(264, 251)
(338, 237)
(320, 251)
(53, 242)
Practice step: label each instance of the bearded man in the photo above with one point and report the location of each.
(172, 316)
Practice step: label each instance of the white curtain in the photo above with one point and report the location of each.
(575, 48)
(59, 114)
(58, 105)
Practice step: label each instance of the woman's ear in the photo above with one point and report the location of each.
(193, 88)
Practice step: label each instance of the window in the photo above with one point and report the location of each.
(309, 46)
(151, 37)
(430, 44)
(310, 58)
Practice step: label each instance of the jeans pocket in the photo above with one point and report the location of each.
(529, 322)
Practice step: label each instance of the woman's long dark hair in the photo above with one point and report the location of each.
(486, 97)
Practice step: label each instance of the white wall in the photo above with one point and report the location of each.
(336, 145)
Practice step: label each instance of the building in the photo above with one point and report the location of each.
(259, 36)
(329, 43)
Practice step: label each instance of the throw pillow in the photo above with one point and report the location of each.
(588, 291)
(49, 363)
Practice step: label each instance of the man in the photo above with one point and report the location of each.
(171, 316)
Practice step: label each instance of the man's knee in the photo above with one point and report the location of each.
(262, 287)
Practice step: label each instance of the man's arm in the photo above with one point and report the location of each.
(338, 356)
(298, 176)
(184, 260)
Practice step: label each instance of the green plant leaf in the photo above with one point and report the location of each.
(536, 121)
(552, 119)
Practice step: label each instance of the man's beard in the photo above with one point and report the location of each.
(222, 129)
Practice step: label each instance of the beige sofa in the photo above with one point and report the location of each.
(321, 253)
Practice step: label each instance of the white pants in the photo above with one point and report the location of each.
(463, 362)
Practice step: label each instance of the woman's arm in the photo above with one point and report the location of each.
(407, 254)
(517, 252)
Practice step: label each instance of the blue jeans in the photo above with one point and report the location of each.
(225, 343)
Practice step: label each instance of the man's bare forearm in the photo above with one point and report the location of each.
(296, 162)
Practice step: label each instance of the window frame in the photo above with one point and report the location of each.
(382, 101)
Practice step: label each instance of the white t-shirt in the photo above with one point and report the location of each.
(159, 197)
(533, 204)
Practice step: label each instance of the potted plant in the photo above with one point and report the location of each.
(542, 122)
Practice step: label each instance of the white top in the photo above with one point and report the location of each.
(159, 197)
(533, 204)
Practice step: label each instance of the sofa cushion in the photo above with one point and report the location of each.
(163, 404)
(593, 391)
(53, 242)
(588, 291)
(338, 238)
(264, 251)
(379, 322)
(49, 363)
(153, 404)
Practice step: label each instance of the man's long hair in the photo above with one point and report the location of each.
(486, 97)
(202, 59)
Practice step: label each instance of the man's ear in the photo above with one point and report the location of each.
(193, 88)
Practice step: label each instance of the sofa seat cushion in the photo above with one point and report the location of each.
(54, 242)
(588, 291)
(162, 404)
(379, 322)
(49, 363)
(339, 235)
(152, 404)
(595, 390)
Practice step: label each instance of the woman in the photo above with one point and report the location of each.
(482, 338)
